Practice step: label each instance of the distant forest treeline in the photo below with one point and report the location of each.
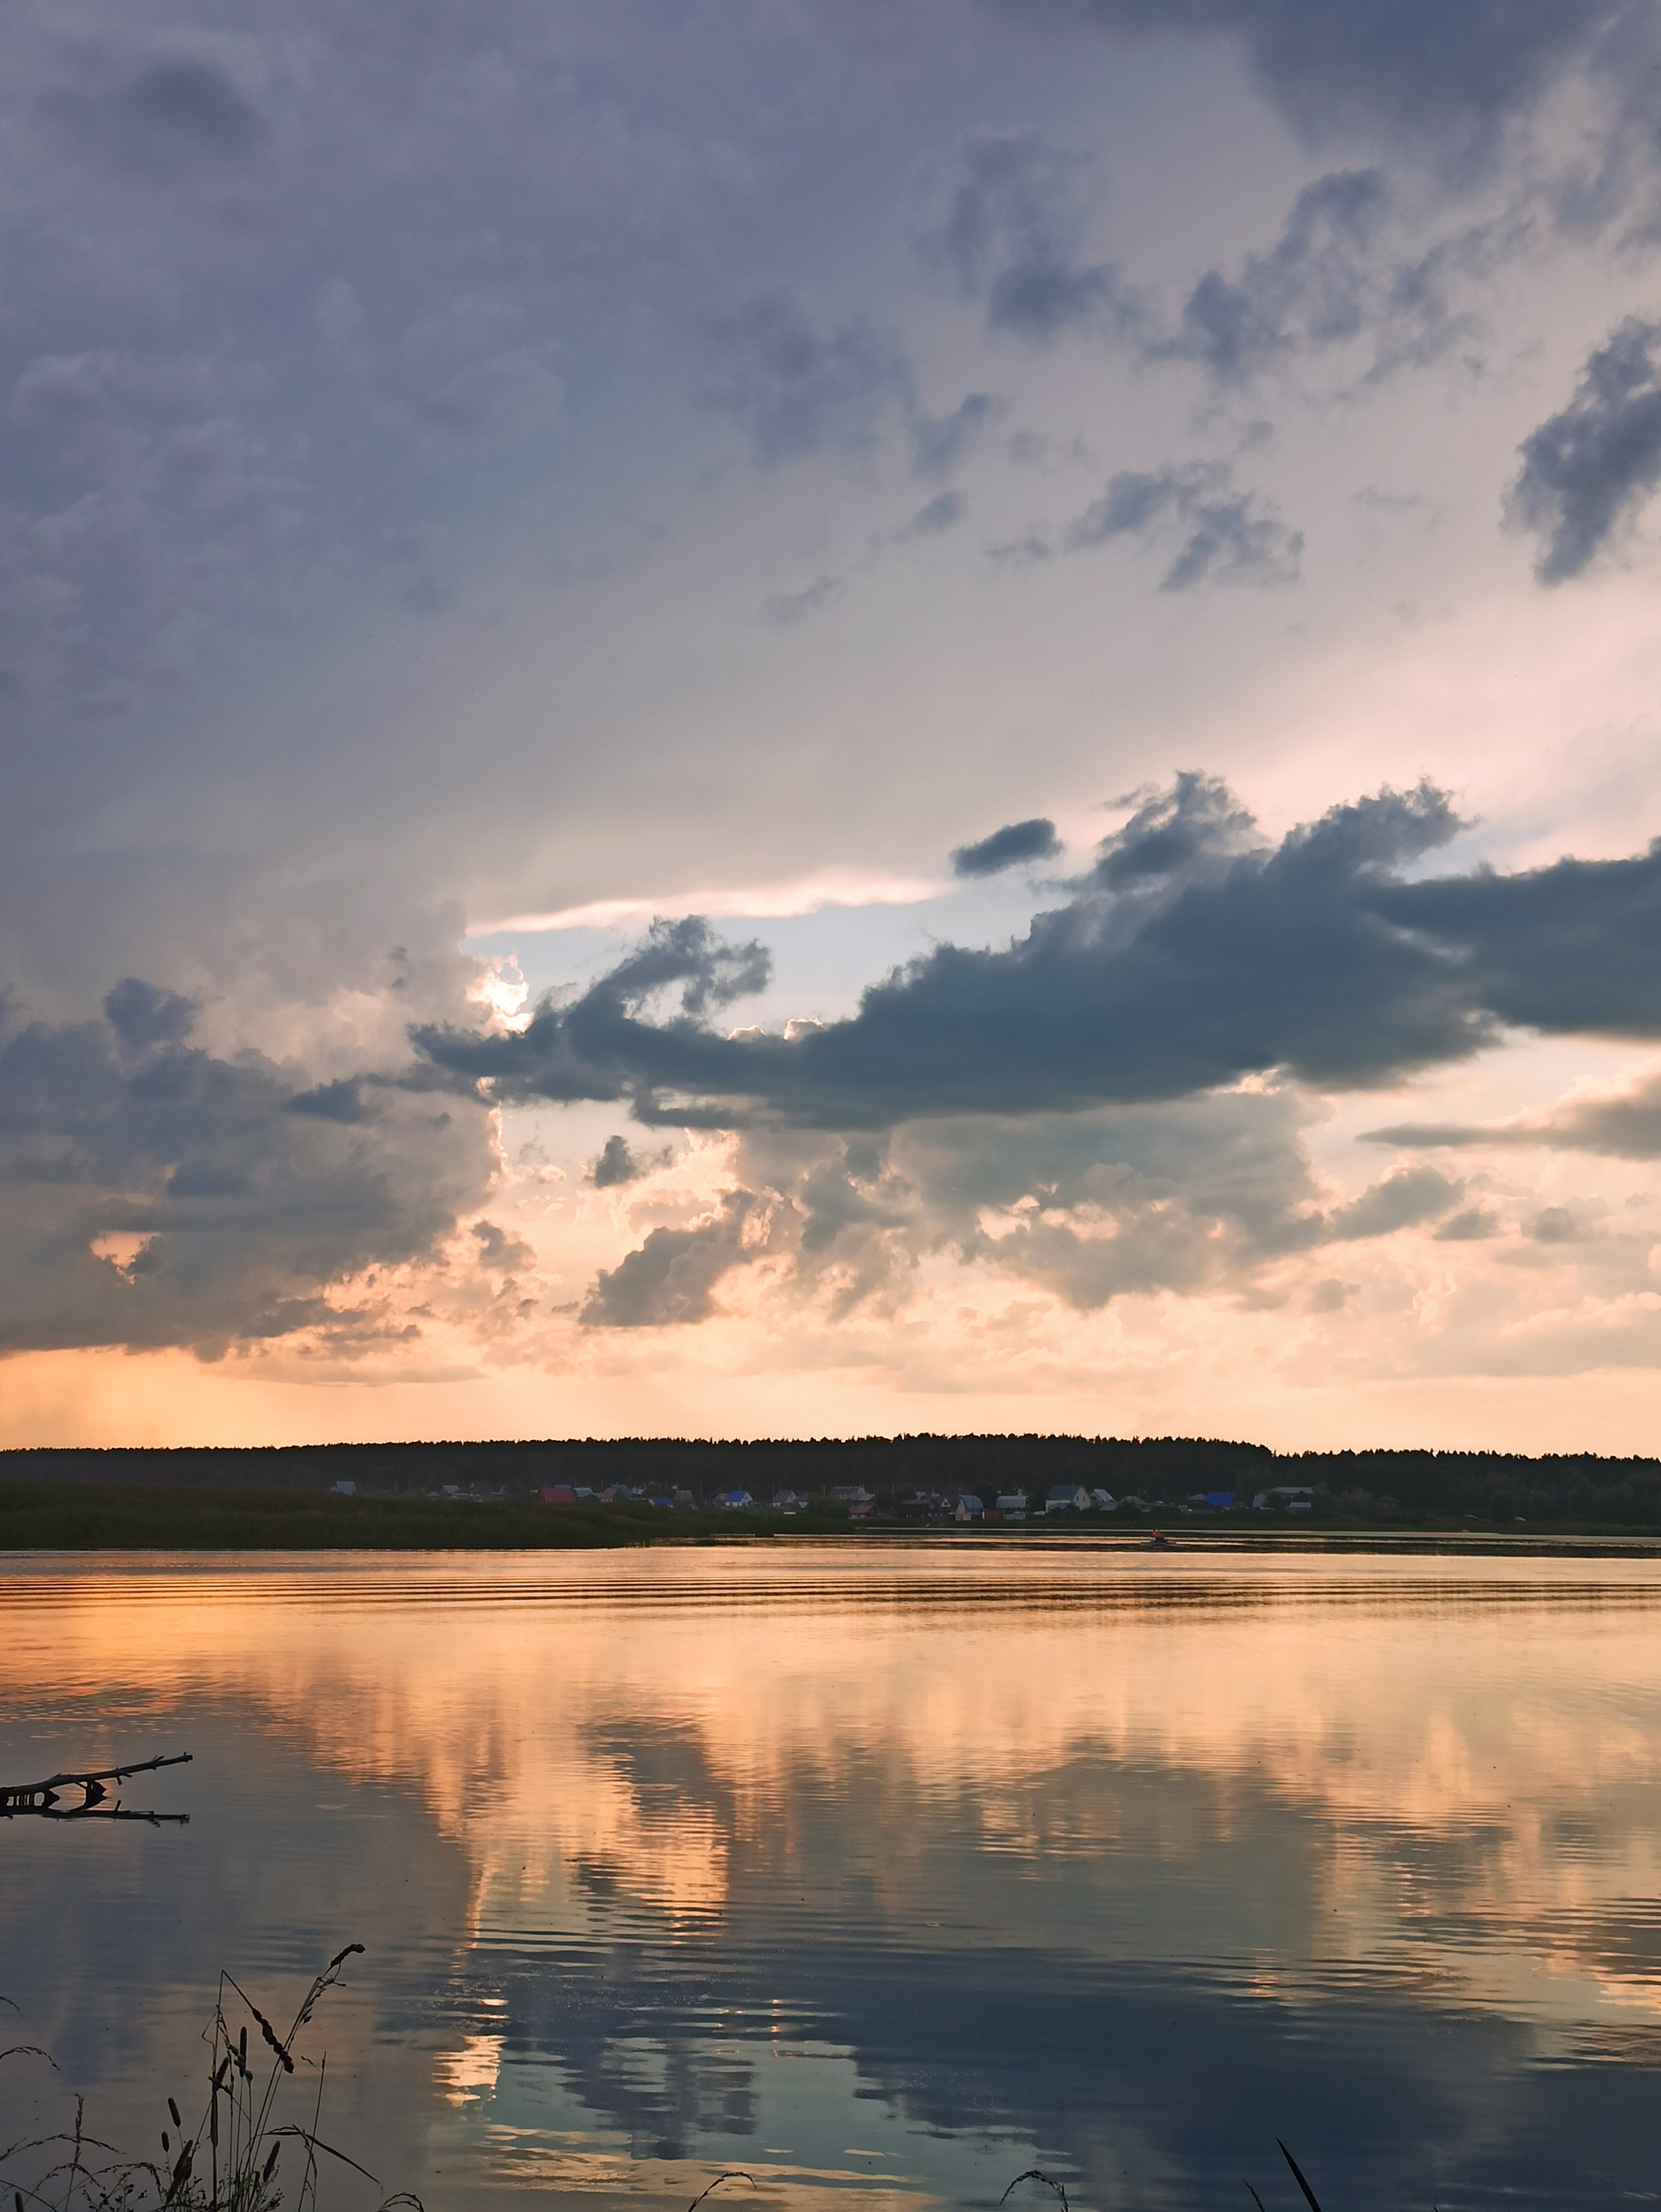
(1368, 1485)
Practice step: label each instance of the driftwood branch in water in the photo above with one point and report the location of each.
(43, 1799)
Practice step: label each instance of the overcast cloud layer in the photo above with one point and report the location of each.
(1090, 561)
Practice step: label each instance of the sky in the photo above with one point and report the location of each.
(816, 719)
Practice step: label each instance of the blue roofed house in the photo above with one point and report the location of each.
(730, 1501)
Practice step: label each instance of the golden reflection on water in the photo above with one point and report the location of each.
(1305, 1782)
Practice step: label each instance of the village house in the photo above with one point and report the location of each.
(1066, 1497)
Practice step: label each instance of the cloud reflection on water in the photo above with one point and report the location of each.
(1129, 1863)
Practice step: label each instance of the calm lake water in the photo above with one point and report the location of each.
(882, 1873)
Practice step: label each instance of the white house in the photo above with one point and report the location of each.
(969, 1507)
(1013, 1508)
(1102, 1500)
(1067, 1498)
(1294, 1495)
(731, 1500)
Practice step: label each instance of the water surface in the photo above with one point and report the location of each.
(881, 1872)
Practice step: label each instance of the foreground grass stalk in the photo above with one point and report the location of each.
(230, 2163)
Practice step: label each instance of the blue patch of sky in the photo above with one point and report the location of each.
(821, 962)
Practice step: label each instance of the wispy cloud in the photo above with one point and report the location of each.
(737, 903)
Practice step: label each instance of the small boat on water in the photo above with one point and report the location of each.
(1156, 1542)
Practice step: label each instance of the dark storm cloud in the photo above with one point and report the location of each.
(795, 388)
(1587, 470)
(1192, 955)
(1011, 236)
(1187, 958)
(1218, 534)
(151, 1194)
(1008, 847)
(1421, 70)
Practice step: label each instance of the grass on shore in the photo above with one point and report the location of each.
(89, 1517)
(62, 1517)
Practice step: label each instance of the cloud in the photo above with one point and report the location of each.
(830, 586)
(940, 513)
(1010, 235)
(1558, 1225)
(1191, 955)
(166, 521)
(1412, 70)
(939, 443)
(143, 1014)
(1400, 1201)
(787, 609)
(169, 116)
(1008, 847)
(342, 1100)
(616, 1165)
(1587, 470)
(1199, 1197)
(1221, 534)
(151, 1194)
(794, 389)
(500, 392)
(498, 1250)
(1472, 1226)
(670, 1280)
(1622, 1124)
(1311, 289)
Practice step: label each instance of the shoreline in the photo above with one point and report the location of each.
(77, 1520)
